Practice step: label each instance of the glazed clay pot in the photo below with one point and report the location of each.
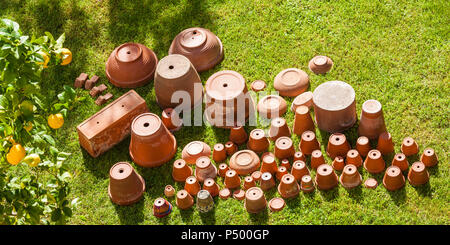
(409, 147)
(211, 186)
(230, 148)
(299, 170)
(354, 158)
(184, 200)
(326, 178)
(285, 163)
(298, 155)
(169, 191)
(175, 74)
(284, 147)
(371, 183)
(291, 82)
(317, 159)
(181, 171)
(350, 177)
(418, 174)
(309, 143)
(429, 157)
(393, 178)
(244, 162)
(302, 121)
(249, 182)
(267, 181)
(256, 176)
(195, 149)
(337, 145)
(238, 135)
(400, 161)
(171, 120)
(205, 203)
(320, 64)
(385, 143)
(276, 204)
(278, 128)
(281, 171)
(255, 201)
(302, 99)
(192, 186)
(258, 142)
(204, 169)
(151, 144)
(200, 46)
(224, 194)
(288, 187)
(363, 145)
(306, 184)
(125, 187)
(271, 106)
(223, 168)
(371, 122)
(374, 163)
(232, 180)
(219, 153)
(131, 65)
(258, 85)
(338, 163)
(268, 163)
(161, 207)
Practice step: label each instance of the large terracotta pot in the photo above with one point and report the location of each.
(267, 181)
(161, 207)
(232, 180)
(268, 163)
(400, 161)
(306, 184)
(363, 145)
(184, 200)
(393, 178)
(288, 187)
(195, 149)
(350, 177)
(271, 106)
(125, 187)
(326, 178)
(205, 203)
(429, 157)
(258, 142)
(317, 159)
(204, 169)
(219, 153)
(291, 82)
(409, 147)
(244, 162)
(354, 158)
(255, 201)
(374, 162)
(320, 64)
(371, 123)
(309, 143)
(302, 121)
(238, 135)
(302, 99)
(278, 128)
(299, 170)
(284, 147)
(211, 186)
(337, 145)
(192, 186)
(385, 143)
(181, 171)
(418, 174)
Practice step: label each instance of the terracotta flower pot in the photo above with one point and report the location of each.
(258, 85)
(320, 64)
(298, 155)
(224, 194)
(385, 143)
(371, 122)
(255, 201)
(239, 194)
(131, 65)
(371, 183)
(200, 46)
(337, 145)
(291, 82)
(169, 191)
(230, 148)
(354, 158)
(152, 144)
(288, 187)
(249, 182)
(418, 174)
(299, 170)
(338, 163)
(258, 142)
(195, 149)
(393, 178)
(223, 168)
(317, 159)
(184, 200)
(284, 147)
(268, 163)
(175, 74)
(238, 135)
(256, 176)
(192, 186)
(309, 143)
(429, 157)
(219, 153)
(374, 163)
(363, 145)
(350, 177)
(205, 203)
(271, 106)
(400, 161)
(326, 178)
(307, 184)
(204, 169)
(302, 99)
(267, 181)
(211, 186)
(285, 163)
(302, 121)
(171, 120)
(244, 162)
(161, 207)
(181, 171)
(409, 147)
(232, 180)
(125, 187)
(278, 128)
(281, 171)
(276, 204)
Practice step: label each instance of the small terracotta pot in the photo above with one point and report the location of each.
(278, 128)
(302, 121)
(393, 178)
(354, 158)
(223, 168)
(317, 159)
(239, 194)
(192, 186)
(385, 144)
(161, 207)
(255, 201)
(281, 171)
(211, 186)
(429, 157)
(125, 187)
(268, 163)
(284, 147)
(230, 148)
(350, 177)
(276, 204)
(256, 176)
(363, 145)
(184, 200)
(291, 82)
(181, 170)
(326, 178)
(244, 162)
(195, 149)
(418, 174)
(285, 163)
(307, 184)
(224, 194)
(288, 187)
(409, 146)
(320, 64)
(271, 106)
(171, 120)
(238, 135)
(205, 202)
(258, 142)
(232, 180)
(258, 85)
(219, 153)
(400, 161)
(302, 99)
(371, 183)
(204, 169)
(267, 181)
(169, 191)
(249, 182)
(371, 122)
(337, 145)
(298, 155)
(338, 163)
(299, 170)
(374, 162)
(309, 143)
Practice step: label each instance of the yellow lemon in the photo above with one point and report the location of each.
(28, 126)
(66, 56)
(55, 121)
(46, 59)
(15, 154)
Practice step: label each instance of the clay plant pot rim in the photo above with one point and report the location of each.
(417, 184)
(292, 195)
(350, 186)
(351, 100)
(307, 190)
(132, 200)
(230, 95)
(372, 114)
(394, 189)
(276, 209)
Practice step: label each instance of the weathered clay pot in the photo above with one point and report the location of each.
(278, 128)
(400, 161)
(223, 168)
(326, 178)
(131, 65)
(205, 203)
(371, 183)
(299, 170)
(288, 187)
(309, 143)
(249, 182)
(291, 82)
(320, 64)
(200, 46)
(181, 170)
(393, 178)
(230, 148)
(258, 85)
(268, 163)
(204, 169)
(334, 106)
(244, 162)
(125, 187)
(281, 171)
(271, 106)
(169, 191)
(363, 145)
(354, 158)
(267, 181)
(219, 153)
(239, 194)
(306, 184)
(184, 200)
(284, 147)
(195, 149)
(302, 99)
(211, 186)
(374, 162)
(276, 204)
(337, 145)
(350, 177)
(285, 163)
(192, 186)
(429, 157)
(409, 146)
(256, 176)
(302, 121)
(224, 193)
(298, 155)
(238, 135)
(338, 163)
(385, 143)
(232, 180)
(152, 144)
(175, 74)
(371, 122)
(258, 142)
(171, 120)
(418, 174)
(255, 201)
(161, 207)
(317, 159)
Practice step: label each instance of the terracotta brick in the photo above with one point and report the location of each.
(80, 80)
(97, 90)
(103, 99)
(91, 82)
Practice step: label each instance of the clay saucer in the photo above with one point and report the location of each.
(194, 150)
(302, 99)
(371, 183)
(244, 162)
(271, 106)
(291, 82)
(276, 204)
(239, 194)
(258, 85)
(224, 193)
(320, 64)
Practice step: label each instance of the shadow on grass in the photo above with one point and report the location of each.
(131, 215)
(424, 190)
(330, 195)
(399, 196)
(260, 218)
(355, 193)
(208, 218)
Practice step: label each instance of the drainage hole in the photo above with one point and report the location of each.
(171, 67)
(128, 52)
(146, 124)
(225, 85)
(120, 170)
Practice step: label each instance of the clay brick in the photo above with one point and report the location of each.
(91, 82)
(111, 124)
(80, 80)
(97, 90)
(103, 99)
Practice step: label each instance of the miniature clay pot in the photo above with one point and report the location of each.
(354, 158)
(298, 155)
(409, 146)
(204, 169)
(418, 174)
(230, 148)
(320, 64)
(371, 183)
(276, 204)
(337, 145)
(161, 207)
(152, 144)
(249, 182)
(238, 135)
(285, 163)
(256, 176)
(244, 162)
(175, 74)
(200, 46)
(281, 171)
(299, 170)
(363, 145)
(278, 128)
(169, 191)
(350, 177)
(429, 157)
(268, 163)
(192, 186)
(284, 147)
(271, 106)
(258, 142)
(219, 153)
(334, 106)
(181, 170)
(171, 120)
(338, 163)
(211, 186)
(267, 181)
(288, 187)
(239, 194)
(291, 82)
(232, 180)
(258, 85)
(374, 162)
(302, 99)
(306, 184)
(184, 200)
(302, 121)
(195, 149)
(326, 178)
(400, 161)
(317, 159)
(309, 142)
(393, 178)
(125, 187)
(224, 194)
(131, 65)
(385, 143)
(255, 201)
(205, 203)
(371, 122)
(223, 168)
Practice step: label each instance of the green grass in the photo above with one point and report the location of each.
(394, 51)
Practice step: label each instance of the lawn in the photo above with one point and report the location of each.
(397, 52)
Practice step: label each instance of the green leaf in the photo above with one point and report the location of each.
(12, 24)
(56, 215)
(60, 41)
(49, 139)
(67, 211)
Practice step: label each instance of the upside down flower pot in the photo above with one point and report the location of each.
(281, 171)
(181, 171)
(299, 170)
(184, 200)
(223, 168)
(169, 191)
(354, 158)
(268, 163)
(363, 145)
(238, 135)
(171, 119)
(400, 161)
(409, 146)
(284, 147)
(371, 183)
(278, 128)
(385, 144)
(338, 163)
(204, 169)
(224, 193)
(219, 153)
(317, 159)
(192, 186)
(429, 157)
(211, 186)
(337, 145)
(125, 187)
(244, 162)
(374, 163)
(298, 155)
(288, 187)
(291, 82)
(309, 142)
(239, 194)
(326, 178)
(271, 106)
(249, 182)
(205, 203)
(232, 180)
(230, 148)
(285, 163)
(418, 174)
(302, 99)
(161, 207)
(258, 142)
(256, 176)
(371, 122)
(320, 64)
(302, 121)
(255, 201)
(350, 177)
(195, 149)
(307, 184)
(393, 178)
(267, 181)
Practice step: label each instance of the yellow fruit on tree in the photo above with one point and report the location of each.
(32, 160)
(46, 59)
(28, 126)
(66, 56)
(15, 154)
(55, 121)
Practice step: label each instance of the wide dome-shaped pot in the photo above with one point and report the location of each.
(244, 162)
